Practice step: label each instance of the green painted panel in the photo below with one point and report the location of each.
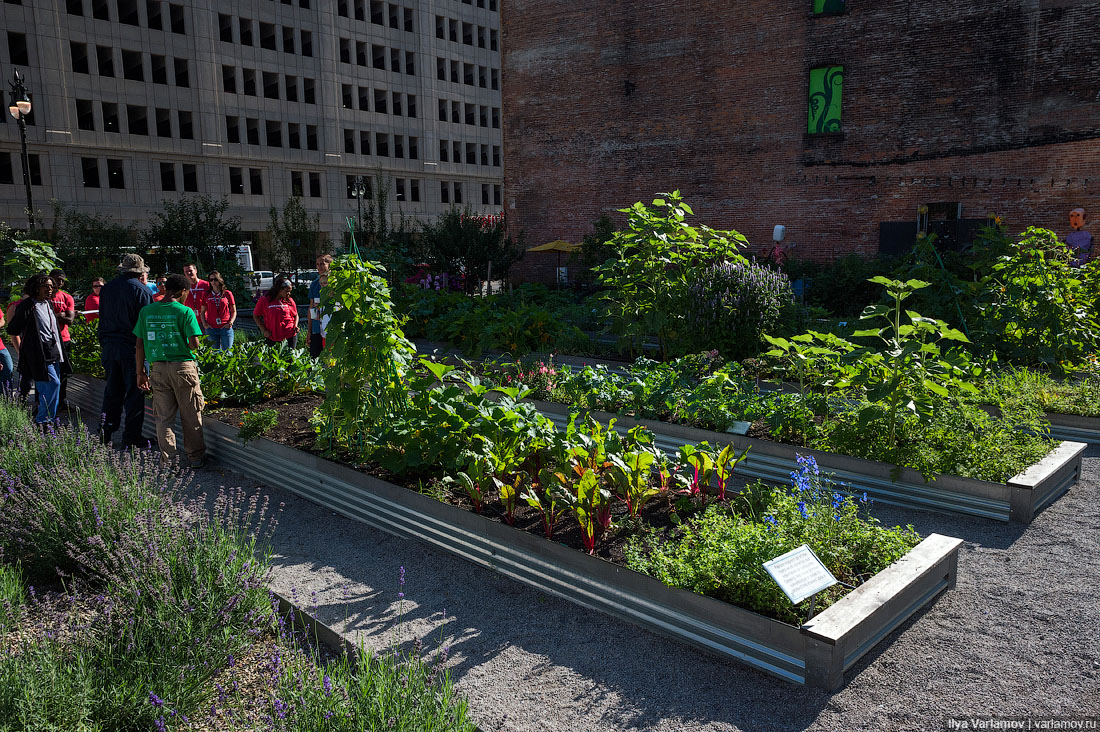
(826, 87)
(823, 7)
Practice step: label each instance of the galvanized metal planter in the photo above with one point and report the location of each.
(1018, 500)
(816, 653)
(1074, 427)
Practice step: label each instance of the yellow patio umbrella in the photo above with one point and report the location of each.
(559, 246)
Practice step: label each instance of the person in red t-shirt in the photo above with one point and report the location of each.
(91, 302)
(196, 289)
(65, 307)
(219, 312)
(276, 314)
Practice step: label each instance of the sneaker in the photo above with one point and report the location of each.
(196, 464)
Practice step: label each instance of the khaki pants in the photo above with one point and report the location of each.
(175, 388)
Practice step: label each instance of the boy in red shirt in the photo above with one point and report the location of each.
(196, 289)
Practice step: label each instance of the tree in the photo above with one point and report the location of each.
(21, 258)
(90, 245)
(295, 236)
(461, 243)
(392, 247)
(192, 228)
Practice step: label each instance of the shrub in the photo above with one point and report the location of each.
(731, 306)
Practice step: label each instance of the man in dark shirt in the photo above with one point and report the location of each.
(120, 301)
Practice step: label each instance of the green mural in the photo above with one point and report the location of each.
(823, 7)
(826, 86)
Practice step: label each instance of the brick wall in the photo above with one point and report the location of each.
(992, 105)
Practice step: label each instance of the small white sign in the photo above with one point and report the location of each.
(800, 574)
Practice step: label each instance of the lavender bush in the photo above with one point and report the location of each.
(730, 306)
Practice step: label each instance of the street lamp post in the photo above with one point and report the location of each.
(359, 190)
(19, 108)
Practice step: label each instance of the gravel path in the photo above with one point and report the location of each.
(1019, 636)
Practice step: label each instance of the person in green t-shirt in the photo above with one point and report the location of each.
(168, 334)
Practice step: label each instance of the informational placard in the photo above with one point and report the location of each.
(800, 574)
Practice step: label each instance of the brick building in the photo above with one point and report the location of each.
(137, 101)
(967, 107)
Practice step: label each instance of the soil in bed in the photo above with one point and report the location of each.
(295, 430)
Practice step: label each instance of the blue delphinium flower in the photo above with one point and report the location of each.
(802, 508)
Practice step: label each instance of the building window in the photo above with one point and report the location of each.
(249, 78)
(399, 189)
(414, 148)
(360, 53)
(441, 27)
(229, 79)
(100, 11)
(232, 129)
(444, 151)
(828, 7)
(89, 168)
(493, 40)
(236, 181)
(496, 156)
(826, 90)
(294, 135)
(414, 190)
(274, 133)
(442, 110)
(7, 175)
(175, 15)
(105, 60)
(137, 120)
(364, 142)
(410, 105)
(441, 69)
(376, 12)
(311, 137)
(190, 178)
(79, 53)
(225, 27)
(471, 112)
(364, 99)
(397, 103)
(444, 191)
(291, 83)
(456, 112)
(255, 181)
(456, 151)
(395, 60)
(295, 183)
(458, 192)
(496, 195)
(110, 117)
(409, 28)
(453, 25)
(410, 63)
(288, 40)
(252, 130)
(74, 7)
(345, 51)
(85, 116)
(314, 185)
(306, 38)
(399, 146)
(271, 85)
(485, 155)
(267, 36)
(494, 79)
(133, 67)
(309, 94)
(160, 68)
(496, 118)
(128, 12)
(382, 144)
(346, 96)
(167, 177)
(245, 26)
(342, 8)
(380, 101)
(182, 77)
(349, 141)
(152, 15)
(115, 177)
(186, 131)
(378, 56)
(164, 122)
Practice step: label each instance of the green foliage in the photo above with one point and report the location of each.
(596, 248)
(659, 257)
(1024, 388)
(257, 424)
(22, 258)
(13, 598)
(730, 308)
(189, 229)
(85, 354)
(1038, 310)
(252, 372)
(720, 553)
(90, 244)
(296, 238)
(842, 286)
(367, 356)
(459, 242)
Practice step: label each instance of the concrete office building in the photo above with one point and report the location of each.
(137, 101)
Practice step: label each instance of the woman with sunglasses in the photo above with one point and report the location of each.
(40, 351)
(91, 302)
(276, 314)
(218, 312)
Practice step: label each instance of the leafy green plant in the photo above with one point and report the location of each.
(659, 257)
(257, 424)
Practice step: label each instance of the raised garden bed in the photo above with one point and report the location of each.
(816, 653)
(1019, 499)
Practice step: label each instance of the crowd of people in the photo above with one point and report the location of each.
(148, 335)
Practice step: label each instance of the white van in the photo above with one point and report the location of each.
(262, 281)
